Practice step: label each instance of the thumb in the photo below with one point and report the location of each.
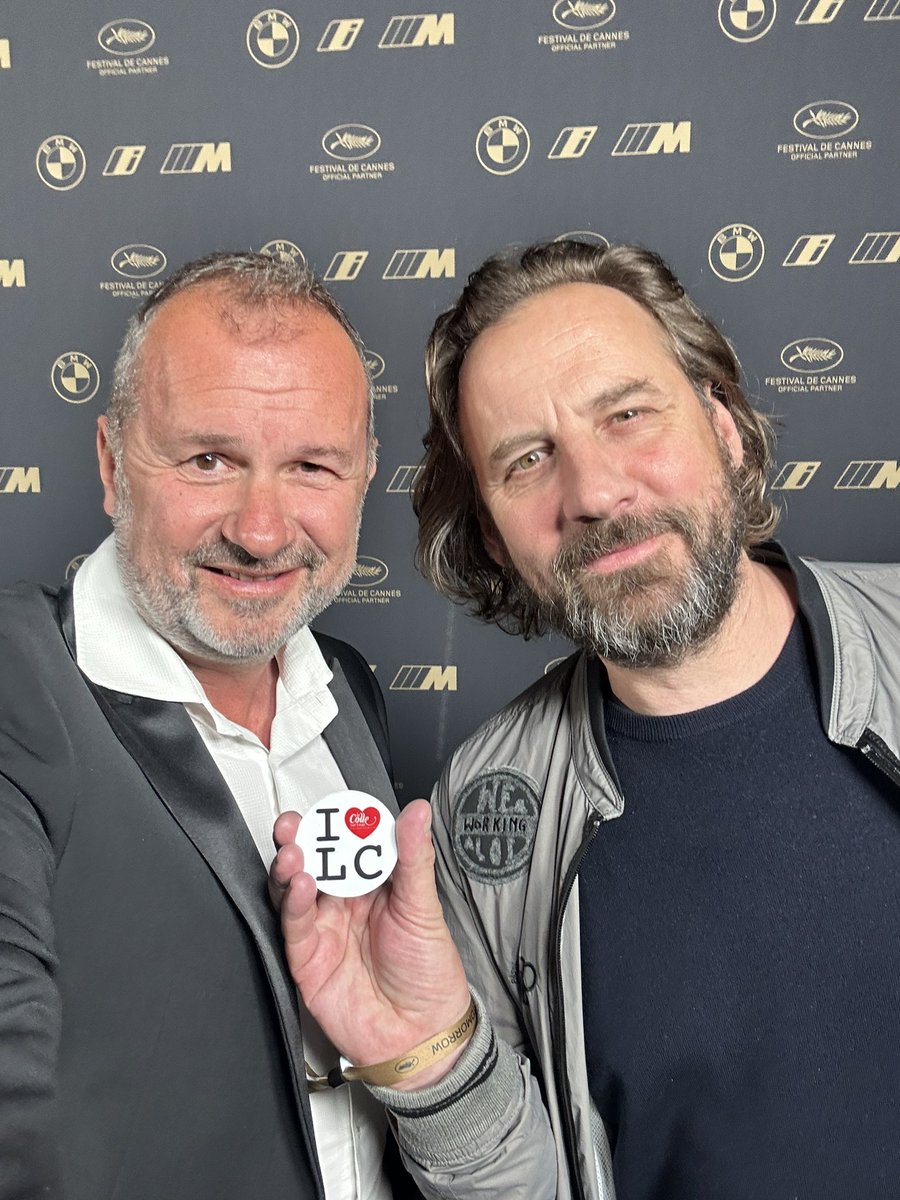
(412, 883)
(284, 832)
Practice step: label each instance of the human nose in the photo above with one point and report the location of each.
(596, 484)
(257, 520)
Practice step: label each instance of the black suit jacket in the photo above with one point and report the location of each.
(150, 1047)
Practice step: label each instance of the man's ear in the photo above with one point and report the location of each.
(725, 424)
(373, 461)
(107, 467)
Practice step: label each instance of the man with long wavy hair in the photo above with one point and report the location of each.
(671, 864)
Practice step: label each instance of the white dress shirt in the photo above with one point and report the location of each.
(118, 650)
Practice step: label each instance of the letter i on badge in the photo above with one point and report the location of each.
(348, 842)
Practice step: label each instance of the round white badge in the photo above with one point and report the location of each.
(348, 843)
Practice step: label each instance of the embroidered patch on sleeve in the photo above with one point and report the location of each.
(495, 824)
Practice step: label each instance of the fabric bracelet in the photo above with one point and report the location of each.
(395, 1070)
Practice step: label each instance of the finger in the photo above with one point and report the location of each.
(285, 865)
(285, 830)
(412, 882)
(298, 923)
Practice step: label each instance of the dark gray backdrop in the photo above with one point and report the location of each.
(754, 145)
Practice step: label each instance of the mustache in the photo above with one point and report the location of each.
(222, 553)
(616, 533)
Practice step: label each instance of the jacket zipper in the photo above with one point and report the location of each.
(560, 1066)
(880, 755)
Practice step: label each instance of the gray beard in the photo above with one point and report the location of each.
(648, 615)
(174, 612)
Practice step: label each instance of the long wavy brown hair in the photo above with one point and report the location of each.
(451, 553)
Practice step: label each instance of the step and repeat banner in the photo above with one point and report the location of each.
(753, 143)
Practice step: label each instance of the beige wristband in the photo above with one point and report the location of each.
(395, 1070)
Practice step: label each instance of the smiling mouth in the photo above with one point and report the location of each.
(246, 576)
(623, 555)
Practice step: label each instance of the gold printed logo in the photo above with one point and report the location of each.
(826, 119)
(868, 474)
(654, 137)
(124, 160)
(138, 261)
(126, 37)
(424, 677)
(877, 248)
(502, 145)
(60, 163)
(411, 30)
(736, 253)
(583, 14)
(75, 377)
(340, 35)
(12, 272)
(812, 355)
(819, 12)
(193, 158)
(884, 10)
(368, 572)
(431, 263)
(374, 365)
(367, 584)
(404, 478)
(286, 252)
(794, 476)
(19, 479)
(345, 265)
(746, 20)
(808, 250)
(572, 141)
(272, 38)
(351, 142)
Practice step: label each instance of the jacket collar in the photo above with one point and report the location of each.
(350, 741)
(160, 737)
(815, 611)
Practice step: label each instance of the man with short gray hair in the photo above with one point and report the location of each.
(671, 865)
(156, 716)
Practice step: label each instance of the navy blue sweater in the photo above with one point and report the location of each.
(741, 953)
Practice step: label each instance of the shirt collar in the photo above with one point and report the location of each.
(117, 649)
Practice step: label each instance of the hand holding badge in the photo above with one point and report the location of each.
(366, 940)
(348, 843)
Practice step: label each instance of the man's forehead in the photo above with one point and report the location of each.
(222, 310)
(593, 307)
(563, 324)
(199, 369)
(209, 336)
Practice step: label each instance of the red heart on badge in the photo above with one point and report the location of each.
(362, 821)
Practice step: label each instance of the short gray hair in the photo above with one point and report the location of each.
(451, 552)
(250, 279)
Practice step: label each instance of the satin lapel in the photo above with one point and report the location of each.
(165, 745)
(349, 740)
(162, 740)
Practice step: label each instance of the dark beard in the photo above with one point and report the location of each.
(649, 615)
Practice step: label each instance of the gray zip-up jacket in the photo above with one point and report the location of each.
(518, 804)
